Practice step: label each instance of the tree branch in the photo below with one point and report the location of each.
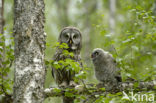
(94, 89)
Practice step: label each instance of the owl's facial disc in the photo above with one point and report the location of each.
(65, 37)
(75, 37)
(72, 37)
(95, 54)
(74, 40)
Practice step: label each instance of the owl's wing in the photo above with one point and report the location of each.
(118, 72)
(80, 62)
(55, 58)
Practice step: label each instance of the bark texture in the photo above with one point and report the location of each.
(29, 39)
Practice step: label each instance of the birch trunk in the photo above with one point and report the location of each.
(1, 16)
(91, 8)
(62, 8)
(112, 7)
(29, 37)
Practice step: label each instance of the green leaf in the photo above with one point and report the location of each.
(68, 94)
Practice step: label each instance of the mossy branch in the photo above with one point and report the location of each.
(90, 89)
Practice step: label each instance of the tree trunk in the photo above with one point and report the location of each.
(29, 37)
(1, 31)
(62, 9)
(1, 16)
(112, 7)
(90, 8)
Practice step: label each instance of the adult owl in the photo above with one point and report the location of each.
(73, 38)
(106, 70)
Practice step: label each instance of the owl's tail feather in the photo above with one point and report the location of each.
(68, 99)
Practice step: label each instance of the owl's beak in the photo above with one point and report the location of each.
(91, 56)
(70, 42)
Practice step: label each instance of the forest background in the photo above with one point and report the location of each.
(125, 28)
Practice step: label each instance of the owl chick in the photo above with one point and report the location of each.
(105, 68)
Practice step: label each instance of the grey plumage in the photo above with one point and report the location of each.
(72, 36)
(106, 70)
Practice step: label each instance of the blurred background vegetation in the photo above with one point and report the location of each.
(126, 28)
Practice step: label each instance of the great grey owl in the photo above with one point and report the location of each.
(106, 70)
(73, 38)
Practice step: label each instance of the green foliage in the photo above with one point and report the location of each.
(6, 59)
(68, 63)
(133, 44)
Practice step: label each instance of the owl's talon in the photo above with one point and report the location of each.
(72, 84)
(100, 85)
(63, 84)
